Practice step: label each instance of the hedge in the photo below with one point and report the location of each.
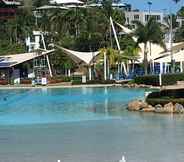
(167, 79)
(100, 82)
(165, 96)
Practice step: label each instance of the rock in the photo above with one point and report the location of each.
(137, 105)
(158, 106)
(148, 109)
(168, 108)
(178, 108)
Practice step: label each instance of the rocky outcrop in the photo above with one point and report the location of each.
(142, 106)
(168, 108)
(137, 105)
(134, 85)
(149, 108)
(178, 108)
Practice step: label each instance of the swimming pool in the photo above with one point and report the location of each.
(38, 106)
(85, 125)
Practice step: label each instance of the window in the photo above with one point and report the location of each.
(128, 21)
(136, 17)
(156, 17)
(147, 17)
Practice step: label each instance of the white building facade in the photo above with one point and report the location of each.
(143, 16)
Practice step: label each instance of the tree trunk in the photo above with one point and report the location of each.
(105, 66)
(145, 60)
(110, 32)
(133, 66)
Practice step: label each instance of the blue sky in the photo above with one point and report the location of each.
(157, 5)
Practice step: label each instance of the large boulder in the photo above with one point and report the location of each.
(149, 108)
(137, 105)
(158, 108)
(178, 108)
(168, 108)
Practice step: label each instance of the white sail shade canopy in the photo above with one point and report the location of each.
(66, 2)
(86, 57)
(156, 50)
(8, 61)
(48, 7)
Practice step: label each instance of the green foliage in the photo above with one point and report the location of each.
(181, 12)
(6, 48)
(147, 80)
(77, 80)
(150, 32)
(165, 96)
(100, 82)
(179, 35)
(61, 78)
(167, 79)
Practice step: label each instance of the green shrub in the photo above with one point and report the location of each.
(165, 96)
(167, 79)
(147, 80)
(77, 80)
(100, 82)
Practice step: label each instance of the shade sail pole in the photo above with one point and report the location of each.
(117, 42)
(105, 66)
(47, 57)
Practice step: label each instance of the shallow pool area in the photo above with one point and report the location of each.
(39, 106)
(85, 125)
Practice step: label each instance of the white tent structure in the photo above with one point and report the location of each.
(156, 52)
(165, 59)
(8, 61)
(66, 2)
(81, 57)
(85, 57)
(48, 7)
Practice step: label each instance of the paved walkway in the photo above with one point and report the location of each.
(177, 86)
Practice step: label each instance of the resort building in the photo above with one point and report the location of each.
(33, 65)
(8, 9)
(123, 6)
(74, 3)
(142, 16)
(180, 21)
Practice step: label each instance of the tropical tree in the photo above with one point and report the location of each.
(150, 32)
(130, 51)
(110, 58)
(181, 12)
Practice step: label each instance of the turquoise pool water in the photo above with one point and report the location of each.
(36, 106)
(85, 125)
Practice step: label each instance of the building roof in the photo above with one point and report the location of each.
(8, 61)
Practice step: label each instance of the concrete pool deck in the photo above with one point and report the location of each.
(57, 86)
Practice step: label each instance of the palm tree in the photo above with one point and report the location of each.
(131, 53)
(150, 32)
(110, 57)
